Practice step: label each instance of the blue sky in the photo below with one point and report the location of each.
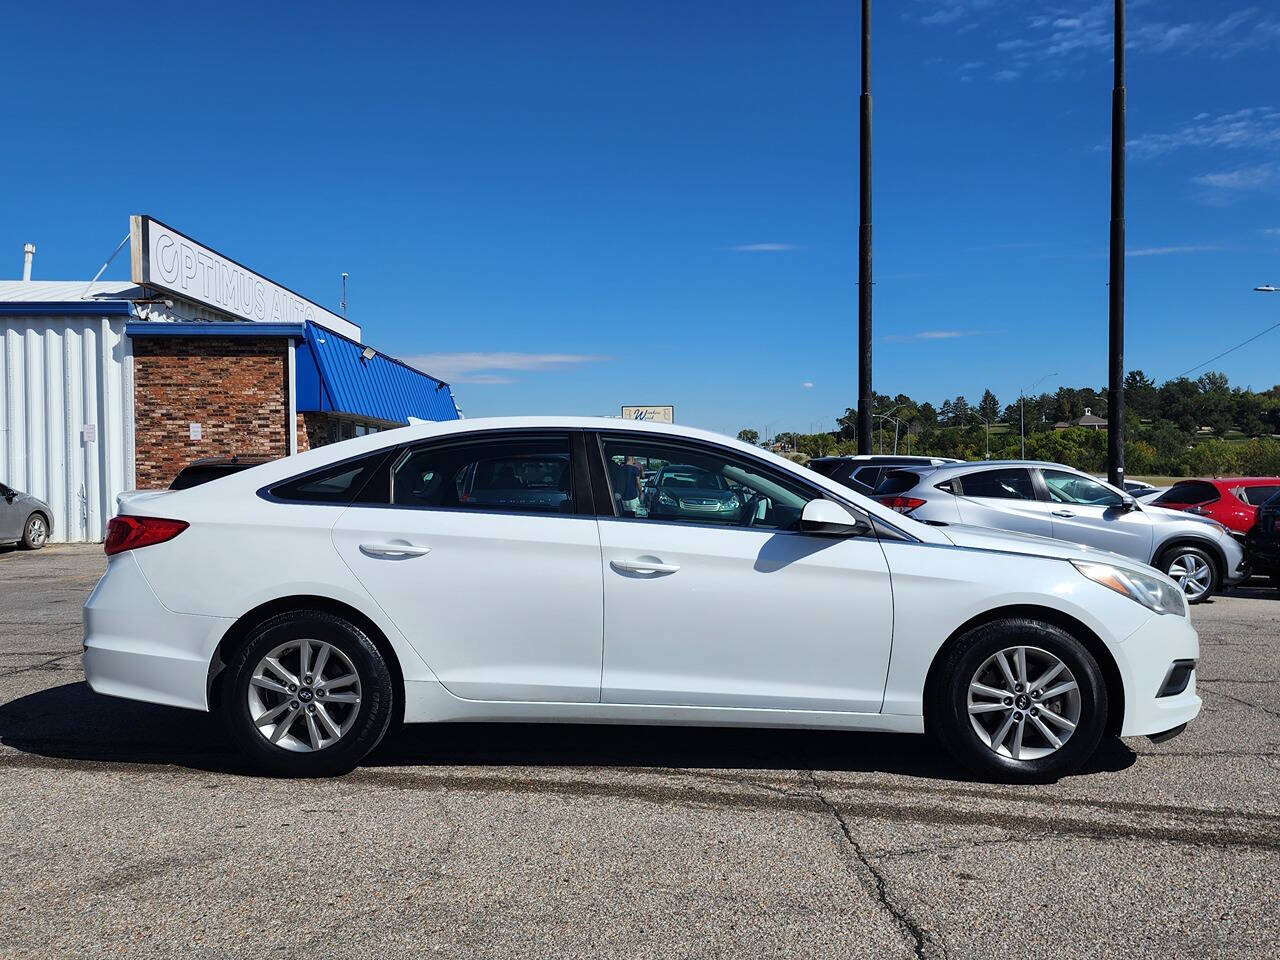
(568, 206)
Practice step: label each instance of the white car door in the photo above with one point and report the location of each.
(1003, 498)
(734, 607)
(1085, 511)
(479, 555)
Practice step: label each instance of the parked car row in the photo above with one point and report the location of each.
(1196, 531)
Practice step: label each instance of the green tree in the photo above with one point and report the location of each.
(1141, 397)
(989, 407)
(749, 436)
(1213, 458)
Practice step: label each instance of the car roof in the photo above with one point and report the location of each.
(276, 470)
(1237, 481)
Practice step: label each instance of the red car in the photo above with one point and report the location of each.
(1232, 501)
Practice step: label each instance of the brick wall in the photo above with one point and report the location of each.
(313, 430)
(234, 387)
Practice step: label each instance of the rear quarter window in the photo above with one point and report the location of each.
(340, 483)
(1257, 496)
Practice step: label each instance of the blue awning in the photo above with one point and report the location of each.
(334, 377)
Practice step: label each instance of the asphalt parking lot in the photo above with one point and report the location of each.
(130, 829)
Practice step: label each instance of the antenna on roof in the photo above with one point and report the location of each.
(103, 268)
(344, 296)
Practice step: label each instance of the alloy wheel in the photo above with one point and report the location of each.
(37, 531)
(304, 695)
(1024, 703)
(1192, 573)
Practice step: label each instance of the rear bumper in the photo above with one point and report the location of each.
(136, 648)
(1145, 659)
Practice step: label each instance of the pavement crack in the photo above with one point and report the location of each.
(49, 664)
(923, 943)
(1246, 703)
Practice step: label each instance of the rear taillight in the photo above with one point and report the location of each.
(129, 533)
(901, 504)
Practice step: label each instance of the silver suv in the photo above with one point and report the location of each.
(1052, 500)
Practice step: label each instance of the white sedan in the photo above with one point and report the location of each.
(517, 570)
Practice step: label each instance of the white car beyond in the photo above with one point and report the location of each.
(511, 570)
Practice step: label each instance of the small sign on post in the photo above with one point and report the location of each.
(89, 433)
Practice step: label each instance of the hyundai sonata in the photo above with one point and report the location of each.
(492, 570)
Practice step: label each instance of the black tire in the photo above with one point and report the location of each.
(373, 712)
(1173, 554)
(35, 531)
(946, 700)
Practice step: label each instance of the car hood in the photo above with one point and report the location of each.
(1165, 515)
(1009, 541)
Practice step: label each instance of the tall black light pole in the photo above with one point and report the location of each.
(1115, 374)
(865, 397)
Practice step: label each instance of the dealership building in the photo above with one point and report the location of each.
(110, 386)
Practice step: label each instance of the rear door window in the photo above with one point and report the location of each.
(516, 475)
(1009, 484)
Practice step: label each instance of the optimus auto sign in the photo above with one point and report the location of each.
(162, 257)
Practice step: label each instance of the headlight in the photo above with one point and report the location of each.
(1152, 593)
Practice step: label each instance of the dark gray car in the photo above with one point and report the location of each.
(24, 519)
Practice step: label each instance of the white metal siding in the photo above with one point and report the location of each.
(58, 374)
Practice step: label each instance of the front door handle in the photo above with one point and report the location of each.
(643, 565)
(1063, 513)
(394, 551)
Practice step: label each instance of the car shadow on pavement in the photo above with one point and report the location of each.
(72, 723)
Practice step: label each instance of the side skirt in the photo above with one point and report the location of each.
(429, 702)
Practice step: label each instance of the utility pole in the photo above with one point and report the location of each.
(865, 396)
(1115, 376)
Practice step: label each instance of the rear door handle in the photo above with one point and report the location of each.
(1063, 513)
(393, 550)
(643, 565)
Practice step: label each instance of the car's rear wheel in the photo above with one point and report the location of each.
(36, 533)
(1194, 570)
(1018, 699)
(309, 696)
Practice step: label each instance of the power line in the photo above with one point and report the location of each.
(1242, 343)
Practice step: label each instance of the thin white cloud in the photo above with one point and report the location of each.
(495, 367)
(931, 335)
(1042, 36)
(1248, 128)
(808, 384)
(762, 247)
(1166, 251)
(1006, 75)
(1270, 231)
(1241, 178)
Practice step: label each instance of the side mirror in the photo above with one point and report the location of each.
(1128, 503)
(829, 517)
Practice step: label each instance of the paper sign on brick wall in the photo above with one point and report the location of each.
(197, 431)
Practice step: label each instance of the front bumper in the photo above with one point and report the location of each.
(1237, 567)
(134, 647)
(1145, 659)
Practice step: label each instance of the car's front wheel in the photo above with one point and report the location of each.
(1193, 570)
(36, 533)
(308, 695)
(1018, 699)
